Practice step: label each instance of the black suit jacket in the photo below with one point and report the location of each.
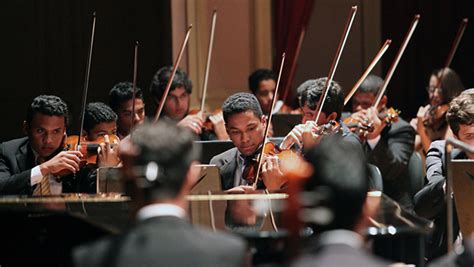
(430, 200)
(163, 241)
(391, 155)
(17, 160)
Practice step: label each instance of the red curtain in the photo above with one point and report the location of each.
(291, 19)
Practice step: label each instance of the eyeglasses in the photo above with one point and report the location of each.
(432, 90)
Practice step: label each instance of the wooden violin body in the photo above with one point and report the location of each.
(88, 149)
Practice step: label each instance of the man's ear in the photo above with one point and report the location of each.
(383, 102)
(332, 116)
(264, 119)
(25, 128)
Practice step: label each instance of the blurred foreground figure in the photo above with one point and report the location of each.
(341, 215)
(159, 171)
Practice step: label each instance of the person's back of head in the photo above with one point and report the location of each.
(122, 92)
(165, 154)
(311, 91)
(340, 176)
(161, 78)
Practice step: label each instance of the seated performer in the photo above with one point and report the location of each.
(430, 122)
(388, 146)
(262, 83)
(245, 125)
(309, 94)
(430, 201)
(38, 158)
(120, 100)
(177, 103)
(339, 232)
(160, 165)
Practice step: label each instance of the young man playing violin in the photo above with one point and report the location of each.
(305, 134)
(430, 202)
(245, 125)
(27, 162)
(176, 106)
(121, 102)
(389, 143)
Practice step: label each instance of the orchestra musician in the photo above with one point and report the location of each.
(245, 125)
(309, 93)
(162, 234)
(387, 146)
(120, 100)
(262, 83)
(36, 158)
(431, 126)
(176, 106)
(430, 202)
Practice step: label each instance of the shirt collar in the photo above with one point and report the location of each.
(346, 237)
(159, 210)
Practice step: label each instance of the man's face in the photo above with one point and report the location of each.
(46, 133)
(264, 94)
(246, 131)
(362, 100)
(124, 113)
(177, 104)
(310, 115)
(466, 135)
(101, 129)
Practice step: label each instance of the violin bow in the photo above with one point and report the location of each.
(86, 80)
(134, 84)
(170, 81)
(208, 62)
(452, 51)
(395, 62)
(267, 126)
(335, 62)
(369, 69)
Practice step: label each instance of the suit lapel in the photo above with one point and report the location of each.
(24, 157)
(228, 171)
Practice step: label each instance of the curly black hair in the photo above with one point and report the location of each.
(260, 75)
(241, 102)
(311, 91)
(96, 113)
(48, 105)
(159, 81)
(122, 92)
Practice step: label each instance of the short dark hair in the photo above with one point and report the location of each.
(260, 75)
(122, 92)
(48, 105)
(98, 112)
(241, 102)
(343, 183)
(159, 81)
(451, 85)
(311, 91)
(461, 110)
(371, 84)
(172, 149)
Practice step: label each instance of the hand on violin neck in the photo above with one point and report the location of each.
(193, 122)
(271, 174)
(108, 155)
(375, 122)
(295, 136)
(68, 161)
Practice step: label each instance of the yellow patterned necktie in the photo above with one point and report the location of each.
(42, 188)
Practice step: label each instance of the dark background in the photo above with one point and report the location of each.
(45, 42)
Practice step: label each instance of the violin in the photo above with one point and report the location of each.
(388, 116)
(435, 117)
(208, 126)
(88, 149)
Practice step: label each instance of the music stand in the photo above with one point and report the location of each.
(108, 180)
(283, 123)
